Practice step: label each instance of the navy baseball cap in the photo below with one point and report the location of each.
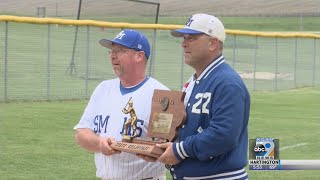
(131, 39)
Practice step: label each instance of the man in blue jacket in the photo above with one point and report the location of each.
(213, 142)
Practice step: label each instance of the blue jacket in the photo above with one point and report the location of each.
(213, 142)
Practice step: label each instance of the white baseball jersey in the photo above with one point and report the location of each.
(104, 116)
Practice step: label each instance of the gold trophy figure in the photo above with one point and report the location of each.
(131, 121)
(167, 116)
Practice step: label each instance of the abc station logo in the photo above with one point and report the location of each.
(261, 149)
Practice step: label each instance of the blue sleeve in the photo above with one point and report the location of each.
(177, 151)
(225, 126)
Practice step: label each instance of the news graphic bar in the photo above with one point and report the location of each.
(284, 164)
(266, 164)
(299, 164)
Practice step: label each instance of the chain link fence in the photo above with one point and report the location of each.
(54, 61)
(35, 61)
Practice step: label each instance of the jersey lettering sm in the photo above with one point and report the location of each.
(104, 116)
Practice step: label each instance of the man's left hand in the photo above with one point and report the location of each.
(168, 156)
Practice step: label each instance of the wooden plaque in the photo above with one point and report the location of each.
(167, 115)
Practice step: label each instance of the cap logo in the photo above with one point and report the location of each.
(189, 22)
(139, 46)
(120, 35)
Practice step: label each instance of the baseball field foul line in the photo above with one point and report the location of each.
(293, 146)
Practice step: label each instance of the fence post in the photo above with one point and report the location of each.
(87, 61)
(295, 62)
(6, 63)
(255, 64)
(182, 68)
(276, 65)
(49, 64)
(314, 62)
(153, 54)
(234, 50)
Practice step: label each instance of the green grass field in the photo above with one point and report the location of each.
(37, 138)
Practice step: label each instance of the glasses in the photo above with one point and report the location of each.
(117, 51)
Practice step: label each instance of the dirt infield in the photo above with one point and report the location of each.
(238, 8)
(168, 8)
(265, 75)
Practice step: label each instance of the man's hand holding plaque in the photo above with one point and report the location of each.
(167, 115)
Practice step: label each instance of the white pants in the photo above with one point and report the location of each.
(151, 178)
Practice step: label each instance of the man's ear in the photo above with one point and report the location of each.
(140, 56)
(213, 43)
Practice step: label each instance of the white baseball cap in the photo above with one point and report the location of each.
(202, 23)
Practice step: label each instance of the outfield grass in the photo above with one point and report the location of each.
(37, 138)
